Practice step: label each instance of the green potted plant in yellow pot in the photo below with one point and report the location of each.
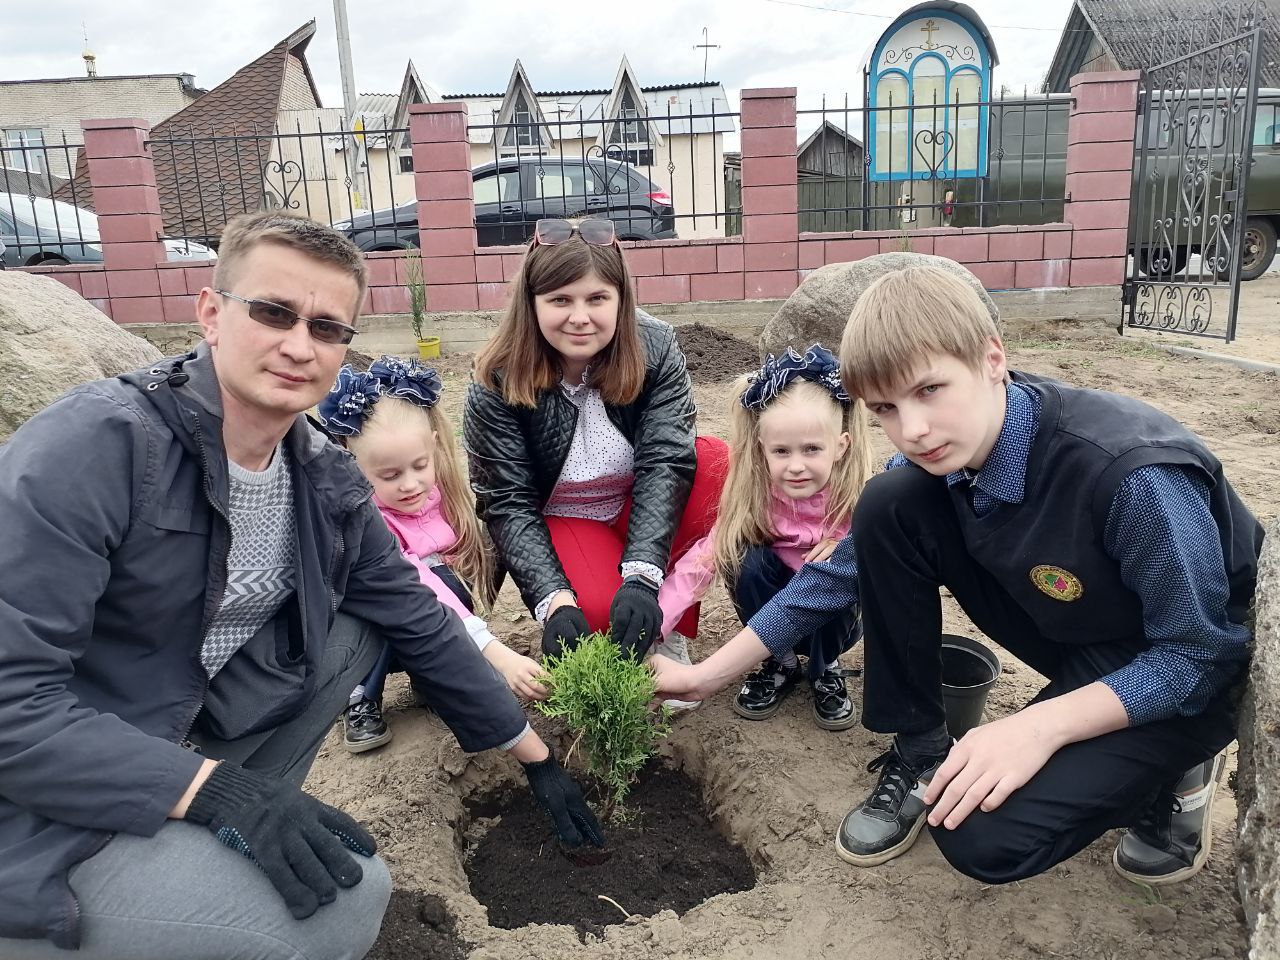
(428, 346)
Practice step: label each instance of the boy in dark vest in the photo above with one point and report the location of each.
(1090, 535)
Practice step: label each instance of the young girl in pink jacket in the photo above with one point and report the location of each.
(389, 420)
(798, 458)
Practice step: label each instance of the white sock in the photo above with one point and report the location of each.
(356, 695)
(789, 660)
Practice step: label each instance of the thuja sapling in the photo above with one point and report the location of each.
(605, 700)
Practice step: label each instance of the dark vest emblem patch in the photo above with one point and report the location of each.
(1057, 583)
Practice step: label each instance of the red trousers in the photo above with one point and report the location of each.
(591, 550)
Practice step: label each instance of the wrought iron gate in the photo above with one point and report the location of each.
(1191, 173)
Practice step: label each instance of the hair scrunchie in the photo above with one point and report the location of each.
(348, 404)
(817, 365)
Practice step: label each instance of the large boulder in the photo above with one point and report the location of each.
(51, 340)
(1258, 809)
(820, 307)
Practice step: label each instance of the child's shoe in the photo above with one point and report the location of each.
(676, 647)
(887, 823)
(1172, 840)
(764, 690)
(832, 707)
(363, 727)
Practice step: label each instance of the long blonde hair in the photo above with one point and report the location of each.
(745, 501)
(471, 557)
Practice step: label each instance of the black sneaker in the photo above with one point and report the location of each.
(887, 823)
(832, 707)
(363, 727)
(1172, 840)
(764, 690)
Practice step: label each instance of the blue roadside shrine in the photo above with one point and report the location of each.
(928, 96)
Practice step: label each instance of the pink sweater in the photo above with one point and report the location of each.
(800, 529)
(422, 535)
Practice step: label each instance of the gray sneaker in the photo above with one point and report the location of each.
(676, 647)
(887, 823)
(1172, 840)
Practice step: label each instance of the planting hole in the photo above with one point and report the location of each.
(665, 854)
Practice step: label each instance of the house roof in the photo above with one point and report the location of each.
(830, 129)
(186, 79)
(563, 111)
(584, 93)
(1130, 31)
(204, 182)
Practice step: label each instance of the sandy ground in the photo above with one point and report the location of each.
(780, 787)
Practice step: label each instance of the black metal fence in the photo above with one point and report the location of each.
(356, 180)
(43, 211)
(657, 176)
(959, 163)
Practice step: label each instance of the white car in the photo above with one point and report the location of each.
(39, 231)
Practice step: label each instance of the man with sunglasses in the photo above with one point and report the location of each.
(210, 579)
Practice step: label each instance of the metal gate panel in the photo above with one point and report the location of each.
(1191, 174)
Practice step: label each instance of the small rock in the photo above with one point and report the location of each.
(1158, 918)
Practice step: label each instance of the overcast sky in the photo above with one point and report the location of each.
(460, 47)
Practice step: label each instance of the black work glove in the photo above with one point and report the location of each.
(300, 843)
(560, 797)
(563, 630)
(634, 617)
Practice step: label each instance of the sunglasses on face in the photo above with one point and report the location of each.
(599, 233)
(276, 317)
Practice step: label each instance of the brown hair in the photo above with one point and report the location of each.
(906, 317)
(243, 233)
(528, 363)
(471, 557)
(743, 519)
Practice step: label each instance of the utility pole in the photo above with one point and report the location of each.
(353, 144)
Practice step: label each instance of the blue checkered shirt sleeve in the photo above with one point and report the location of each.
(811, 599)
(1166, 541)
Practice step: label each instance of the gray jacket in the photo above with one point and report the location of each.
(112, 562)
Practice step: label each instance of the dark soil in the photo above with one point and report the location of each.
(417, 927)
(713, 355)
(667, 855)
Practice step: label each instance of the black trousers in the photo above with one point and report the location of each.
(377, 678)
(909, 544)
(760, 578)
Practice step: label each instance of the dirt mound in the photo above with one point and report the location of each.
(665, 855)
(417, 925)
(713, 355)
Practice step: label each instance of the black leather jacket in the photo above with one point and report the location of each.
(516, 455)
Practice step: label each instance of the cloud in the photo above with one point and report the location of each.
(470, 48)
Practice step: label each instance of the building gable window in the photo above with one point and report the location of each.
(629, 136)
(525, 133)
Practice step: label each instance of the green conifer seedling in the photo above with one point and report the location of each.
(605, 698)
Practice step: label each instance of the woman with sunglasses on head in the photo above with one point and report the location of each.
(579, 429)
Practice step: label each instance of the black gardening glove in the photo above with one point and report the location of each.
(561, 798)
(634, 616)
(563, 630)
(300, 843)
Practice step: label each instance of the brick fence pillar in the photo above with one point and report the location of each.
(446, 211)
(770, 223)
(1100, 174)
(127, 204)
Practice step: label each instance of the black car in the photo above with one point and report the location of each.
(512, 195)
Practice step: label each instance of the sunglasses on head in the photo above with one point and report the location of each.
(276, 317)
(599, 233)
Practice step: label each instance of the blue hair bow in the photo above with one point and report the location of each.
(350, 401)
(818, 365)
